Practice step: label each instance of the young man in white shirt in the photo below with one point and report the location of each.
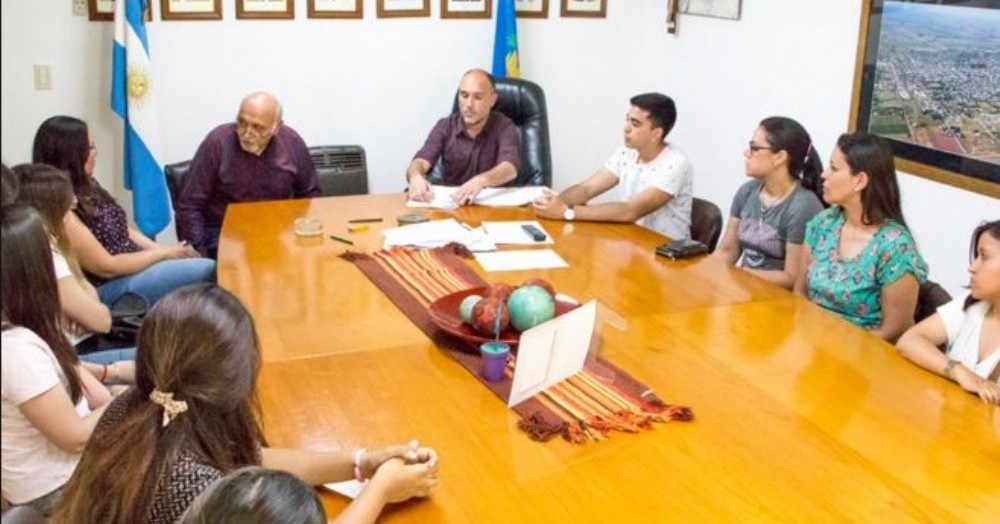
(653, 176)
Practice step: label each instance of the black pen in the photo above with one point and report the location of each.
(341, 239)
(362, 220)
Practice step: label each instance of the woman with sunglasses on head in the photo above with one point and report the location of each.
(860, 260)
(194, 416)
(969, 327)
(50, 405)
(767, 220)
(117, 257)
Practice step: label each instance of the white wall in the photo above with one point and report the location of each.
(383, 82)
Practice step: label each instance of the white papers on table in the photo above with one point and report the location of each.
(512, 232)
(490, 196)
(437, 233)
(551, 352)
(520, 260)
(348, 488)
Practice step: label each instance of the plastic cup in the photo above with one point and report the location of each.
(308, 227)
(494, 356)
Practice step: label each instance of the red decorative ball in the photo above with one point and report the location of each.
(542, 283)
(500, 290)
(484, 316)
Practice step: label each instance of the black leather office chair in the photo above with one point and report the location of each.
(522, 101)
(706, 222)
(930, 297)
(175, 174)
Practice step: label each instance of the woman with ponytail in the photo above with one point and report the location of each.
(193, 416)
(768, 217)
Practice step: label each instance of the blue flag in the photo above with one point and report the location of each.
(131, 85)
(505, 59)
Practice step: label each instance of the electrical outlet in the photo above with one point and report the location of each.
(43, 77)
(80, 7)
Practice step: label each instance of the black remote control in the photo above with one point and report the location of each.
(536, 234)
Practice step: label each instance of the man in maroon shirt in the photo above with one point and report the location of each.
(477, 147)
(255, 158)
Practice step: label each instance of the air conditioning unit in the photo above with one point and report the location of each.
(341, 169)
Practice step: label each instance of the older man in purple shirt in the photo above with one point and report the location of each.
(477, 147)
(255, 158)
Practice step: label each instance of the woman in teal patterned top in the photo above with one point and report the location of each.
(862, 261)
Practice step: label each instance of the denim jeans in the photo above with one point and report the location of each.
(159, 279)
(109, 355)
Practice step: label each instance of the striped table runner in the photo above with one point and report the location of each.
(586, 407)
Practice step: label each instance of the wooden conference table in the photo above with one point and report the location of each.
(799, 416)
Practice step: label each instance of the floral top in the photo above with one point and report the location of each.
(109, 224)
(852, 288)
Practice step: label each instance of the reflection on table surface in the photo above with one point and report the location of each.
(799, 415)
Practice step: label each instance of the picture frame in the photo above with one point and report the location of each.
(190, 9)
(531, 8)
(583, 8)
(466, 9)
(941, 124)
(265, 9)
(104, 10)
(335, 9)
(725, 9)
(402, 8)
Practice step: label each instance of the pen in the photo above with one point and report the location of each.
(361, 220)
(339, 239)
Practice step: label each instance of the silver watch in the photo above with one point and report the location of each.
(569, 214)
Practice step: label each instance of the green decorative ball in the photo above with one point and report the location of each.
(530, 306)
(465, 308)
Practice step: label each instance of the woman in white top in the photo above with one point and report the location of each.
(970, 327)
(50, 192)
(49, 403)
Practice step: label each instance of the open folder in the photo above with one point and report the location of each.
(552, 352)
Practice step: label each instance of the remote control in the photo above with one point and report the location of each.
(536, 234)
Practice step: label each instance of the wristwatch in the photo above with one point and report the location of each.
(569, 214)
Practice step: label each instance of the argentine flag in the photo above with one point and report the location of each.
(131, 86)
(505, 59)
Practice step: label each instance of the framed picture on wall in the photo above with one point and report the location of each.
(191, 9)
(925, 80)
(532, 8)
(466, 8)
(265, 9)
(335, 9)
(728, 9)
(402, 8)
(104, 11)
(583, 8)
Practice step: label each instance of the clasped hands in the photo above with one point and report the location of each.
(549, 205)
(406, 470)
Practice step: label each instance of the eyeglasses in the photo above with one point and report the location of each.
(243, 127)
(754, 147)
(93, 147)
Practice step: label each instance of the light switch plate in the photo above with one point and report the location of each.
(43, 77)
(80, 7)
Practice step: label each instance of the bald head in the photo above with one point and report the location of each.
(257, 121)
(476, 97)
(480, 77)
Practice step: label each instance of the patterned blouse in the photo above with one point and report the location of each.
(109, 224)
(852, 287)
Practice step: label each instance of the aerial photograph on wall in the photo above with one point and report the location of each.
(937, 79)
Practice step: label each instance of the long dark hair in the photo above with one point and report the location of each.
(8, 185)
(30, 297)
(880, 199)
(993, 228)
(804, 163)
(254, 495)
(198, 343)
(50, 192)
(64, 142)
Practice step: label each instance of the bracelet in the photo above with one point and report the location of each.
(113, 376)
(950, 366)
(104, 373)
(358, 475)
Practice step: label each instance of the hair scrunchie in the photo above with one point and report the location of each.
(171, 407)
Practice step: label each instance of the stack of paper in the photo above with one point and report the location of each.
(437, 233)
(512, 232)
(490, 196)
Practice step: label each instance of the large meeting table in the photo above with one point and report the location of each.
(798, 415)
